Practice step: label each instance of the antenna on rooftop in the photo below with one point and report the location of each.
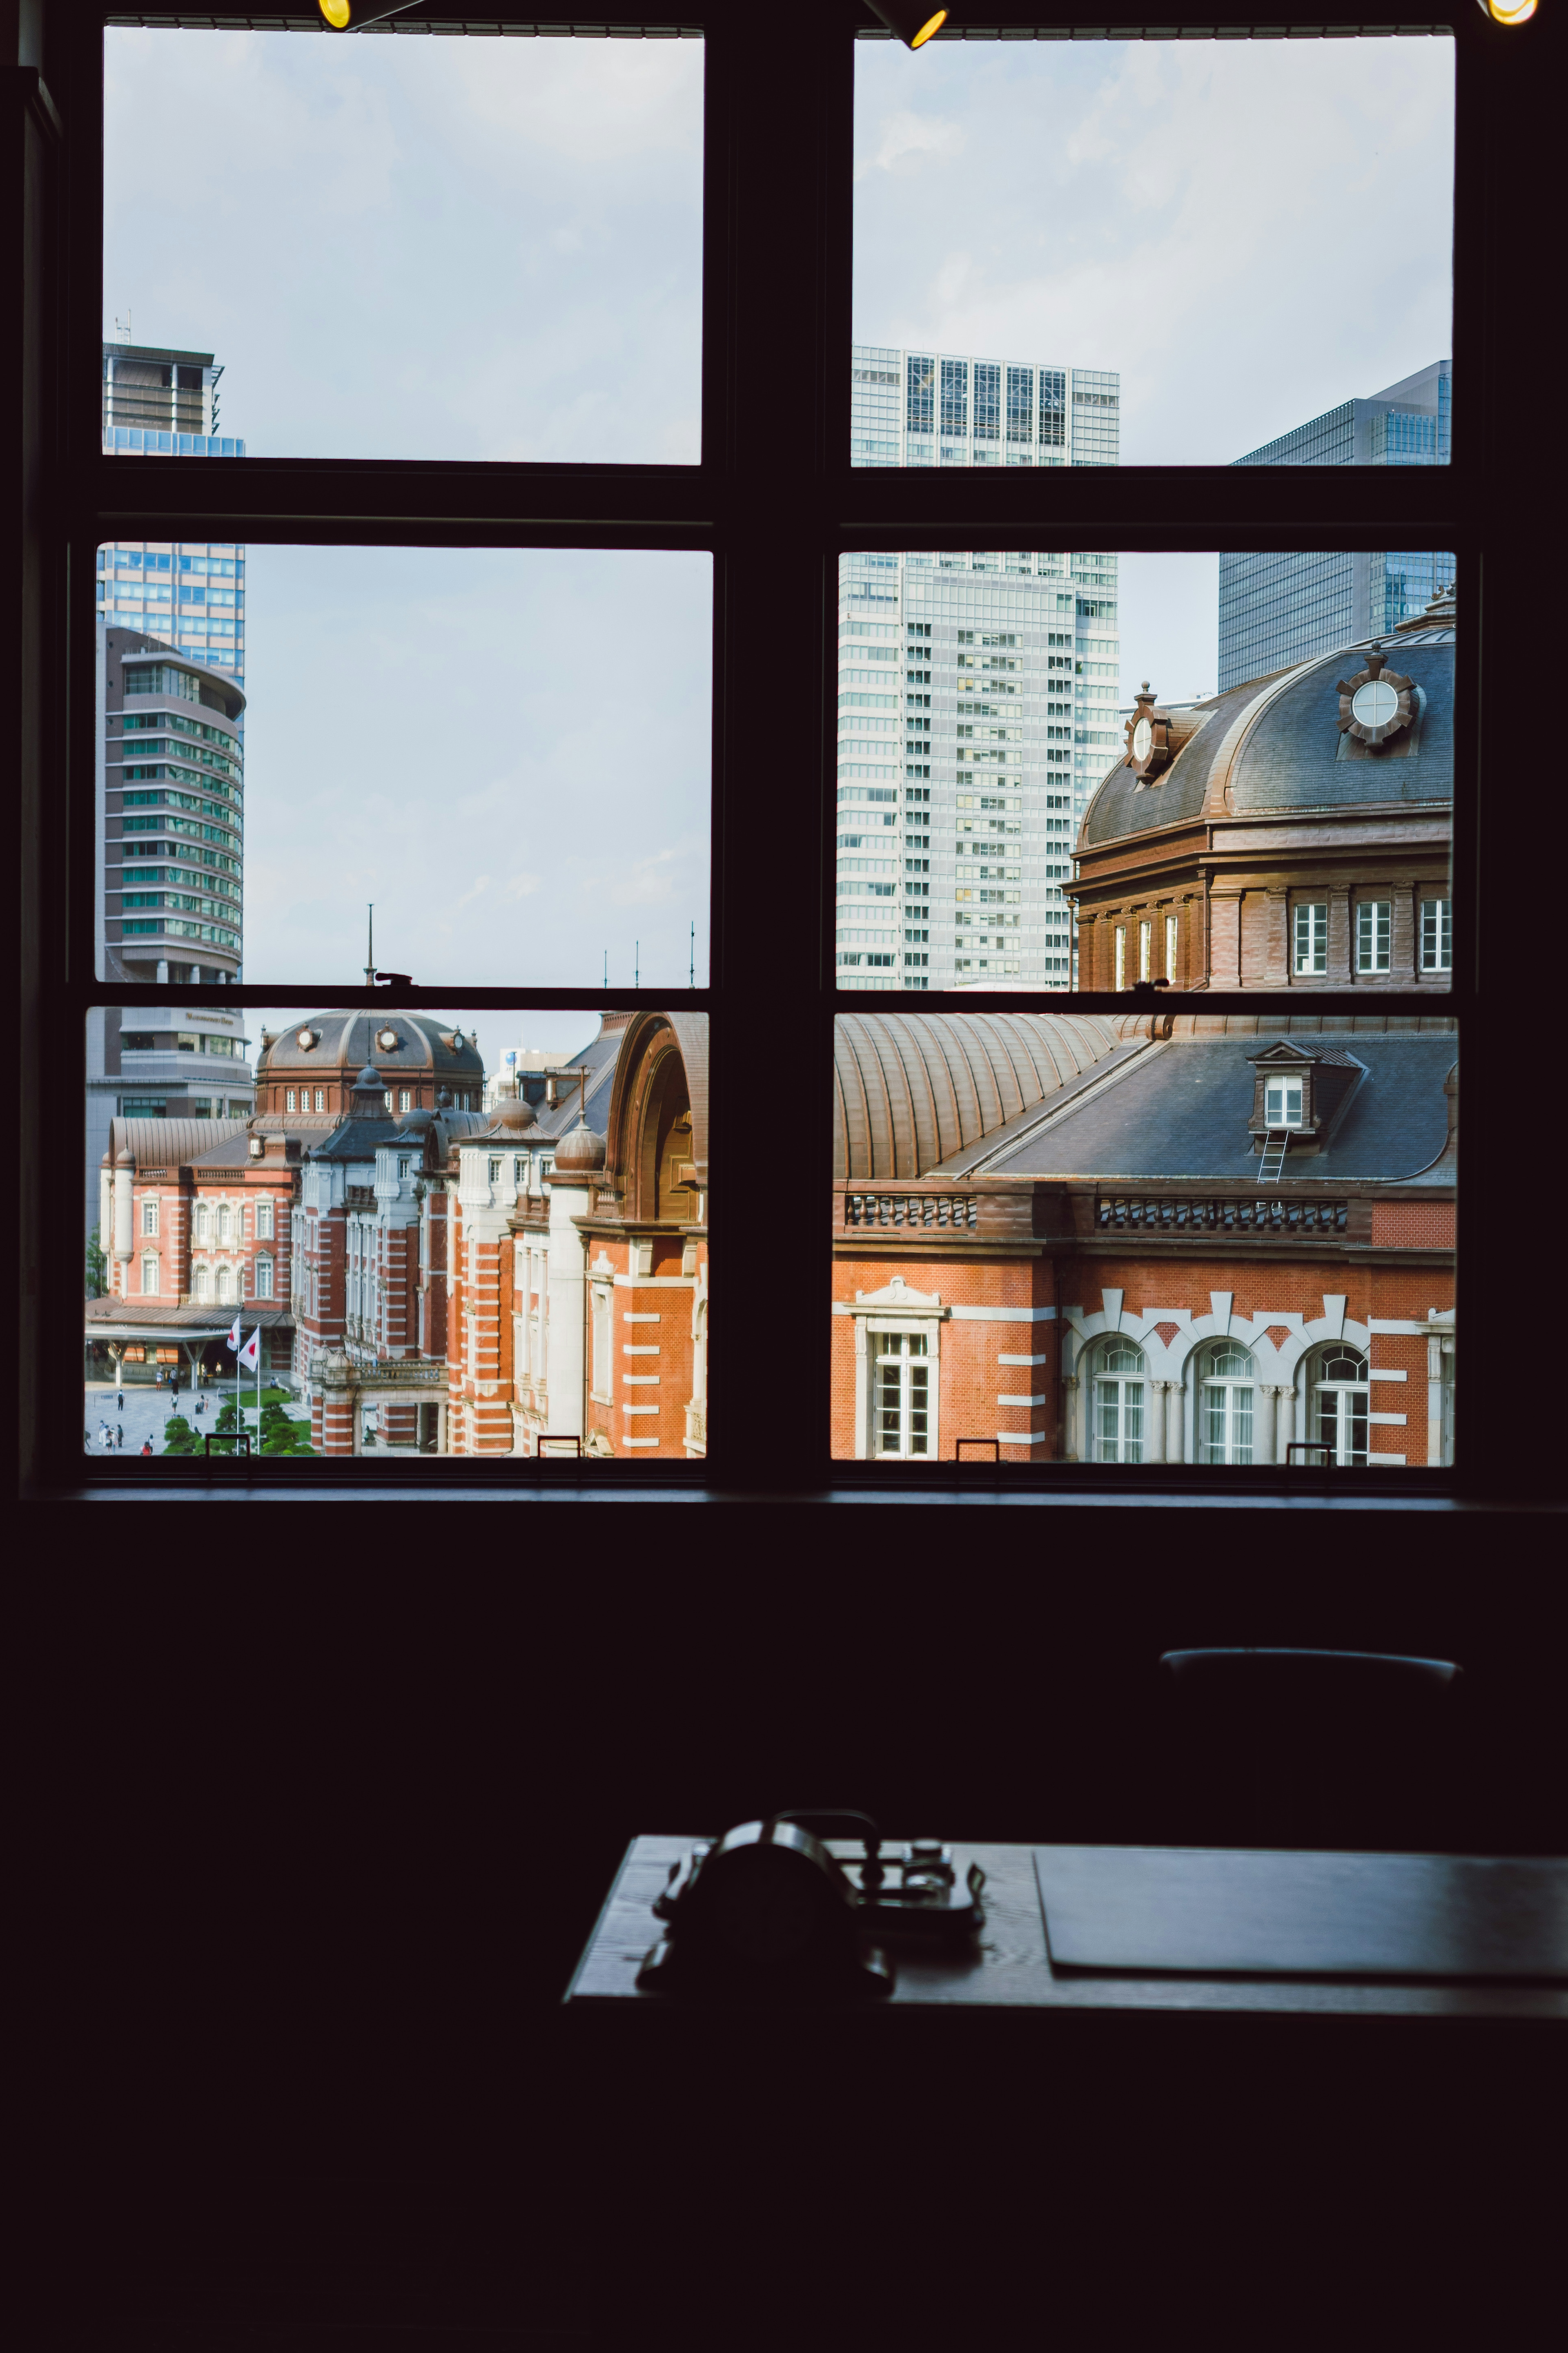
(691, 966)
(637, 964)
(370, 943)
(607, 967)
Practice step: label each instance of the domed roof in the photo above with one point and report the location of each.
(1282, 742)
(513, 1113)
(580, 1149)
(389, 1041)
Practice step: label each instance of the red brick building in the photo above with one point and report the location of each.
(1060, 1234)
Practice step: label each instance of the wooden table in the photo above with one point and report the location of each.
(1011, 1968)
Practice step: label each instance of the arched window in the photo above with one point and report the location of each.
(901, 1404)
(204, 1284)
(204, 1221)
(150, 1274)
(1119, 1403)
(224, 1286)
(1224, 1401)
(224, 1221)
(1340, 1395)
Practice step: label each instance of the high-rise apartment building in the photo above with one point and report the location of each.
(1281, 608)
(170, 801)
(977, 692)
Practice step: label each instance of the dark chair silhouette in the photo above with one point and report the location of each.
(1311, 1748)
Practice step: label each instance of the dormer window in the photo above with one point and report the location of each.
(1282, 1102)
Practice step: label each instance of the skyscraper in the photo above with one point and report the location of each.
(1282, 607)
(977, 692)
(170, 806)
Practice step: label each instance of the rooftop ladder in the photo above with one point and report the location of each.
(1276, 1145)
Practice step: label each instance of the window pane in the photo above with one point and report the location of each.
(402, 1304)
(1170, 1303)
(403, 249)
(1015, 203)
(1020, 732)
(507, 753)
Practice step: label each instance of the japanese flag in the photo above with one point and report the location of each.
(250, 1355)
(233, 1340)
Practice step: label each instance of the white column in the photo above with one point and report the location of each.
(1174, 1450)
(1285, 1422)
(567, 1276)
(105, 1209)
(1155, 1424)
(1070, 1386)
(1263, 1434)
(122, 1210)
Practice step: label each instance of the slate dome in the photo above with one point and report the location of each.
(419, 1053)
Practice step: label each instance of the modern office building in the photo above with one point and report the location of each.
(171, 912)
(1281, 608)
(977, 692)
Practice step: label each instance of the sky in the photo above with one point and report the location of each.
(492, 249)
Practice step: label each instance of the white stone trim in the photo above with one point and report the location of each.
(639, 1441)
(1020, 1437)
(1378, 1372)
(1022, 1401)
(1389, 1461)
(627, 1317)
(654, 1281)
(1022, 1360)
(1400, 1419)
(1003, 1314)
(1396, 1329)
(639, 1408)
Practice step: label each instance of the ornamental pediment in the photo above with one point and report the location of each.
(898, 1295)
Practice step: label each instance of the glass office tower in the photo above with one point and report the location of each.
(1279, 608)
(168, 909)
(977, 693)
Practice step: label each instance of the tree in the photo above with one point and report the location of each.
(179, 1438)
(96, 1265)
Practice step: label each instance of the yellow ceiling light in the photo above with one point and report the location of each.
(910, 21)
(337, 12)
(1510, 12)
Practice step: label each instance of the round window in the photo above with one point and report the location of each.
(1375, 704)
(1143, 739)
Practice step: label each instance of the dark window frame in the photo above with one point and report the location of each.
(777, 220)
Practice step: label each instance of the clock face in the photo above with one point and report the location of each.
(1375, 704)
(307, 1039)
(387, 1039)
(1142, 740)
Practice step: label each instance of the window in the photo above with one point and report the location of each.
(404, 1099)
(290, 1101)
(204, 1221)
(1282, 1102)
(1311, 936)
(224, 1221)
(604, 1358)
(1436, 936)
(1118, 1404)
(225, 1286)
(1373, 935)
(150, 1215)
(1341, 1392)
(149, 1273)
(1226, 1405)
(1121, 981)
(1172, 933)
(321, 1099)
(203, 1284)
(264, 1278)
(1145, 950)
(901, 1401)
(264, 1215)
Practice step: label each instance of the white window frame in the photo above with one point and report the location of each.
(264, 1221)
(1292, 1091)
(1231, 1447)
(223, 1289)
(290, 1101)
(1375, 936)
(1436, 936)
(150, 1216)
(264, 1277)
(1121, 1379)
(1310, 937)
(201, 1282)
(1318, 1389)
(203, 1223)
(1173, 946)
(604, 1351)
(922, 1357)
(151, 1264)
(1121, 956)
(321, 1099)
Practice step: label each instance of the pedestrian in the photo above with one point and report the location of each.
(146, 1446)
(120, 1440)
